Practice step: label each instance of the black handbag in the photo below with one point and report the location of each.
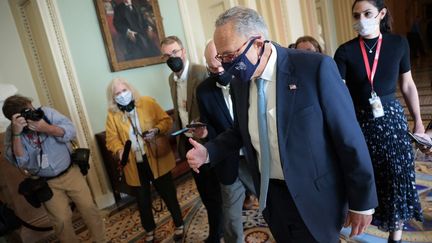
(35, 190)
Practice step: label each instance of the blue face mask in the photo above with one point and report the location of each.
(241, 67)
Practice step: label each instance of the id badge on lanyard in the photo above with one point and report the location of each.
(377, 108)
(374, 101)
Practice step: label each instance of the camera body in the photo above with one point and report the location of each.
(30, 114)
(80, 156)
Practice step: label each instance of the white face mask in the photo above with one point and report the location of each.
(124, 98)
(366, 27)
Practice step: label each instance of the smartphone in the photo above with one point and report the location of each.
(178, 132)
(196, 125)
(420, 140)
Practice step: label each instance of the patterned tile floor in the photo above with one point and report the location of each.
(124, 225)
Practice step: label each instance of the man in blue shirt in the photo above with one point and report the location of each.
(38, 141)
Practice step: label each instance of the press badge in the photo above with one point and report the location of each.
(138, 156)
(377, 108)
(44, 163)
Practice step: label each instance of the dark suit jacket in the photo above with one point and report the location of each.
(214, 112)
(197, 74)
(324, 157)
(124, 19)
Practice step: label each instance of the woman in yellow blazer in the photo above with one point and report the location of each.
(129, 116)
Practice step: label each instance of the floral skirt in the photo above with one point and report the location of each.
(393, 162)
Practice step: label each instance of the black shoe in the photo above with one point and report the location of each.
(178, 234)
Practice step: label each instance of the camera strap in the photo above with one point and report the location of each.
(37, 142)
(136, 132)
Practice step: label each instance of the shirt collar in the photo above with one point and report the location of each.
(269, 72)
(222, 87)
(184, 74)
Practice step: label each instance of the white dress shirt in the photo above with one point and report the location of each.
(269, 74)
(182, 94)
(227, 97)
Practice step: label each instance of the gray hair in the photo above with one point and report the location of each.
(247, 22)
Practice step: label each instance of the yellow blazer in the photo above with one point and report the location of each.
(150, 115)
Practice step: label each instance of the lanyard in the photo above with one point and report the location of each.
(370, 74)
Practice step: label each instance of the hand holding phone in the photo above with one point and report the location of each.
(198, 129)
(420, 140)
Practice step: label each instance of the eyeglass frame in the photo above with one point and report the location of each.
(174, 52)
(235, 54)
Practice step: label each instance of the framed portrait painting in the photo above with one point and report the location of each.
(132, 31)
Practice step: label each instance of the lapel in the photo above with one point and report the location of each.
(128, 13)
(190, 89)
(242, 104)
(220, 101)
(285, 95)
(173, 87)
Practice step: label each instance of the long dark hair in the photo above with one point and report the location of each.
(385, 25)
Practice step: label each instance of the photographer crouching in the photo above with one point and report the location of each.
(38, 141)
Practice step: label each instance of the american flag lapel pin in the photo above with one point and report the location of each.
(292, 87)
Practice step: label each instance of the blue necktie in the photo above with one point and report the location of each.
(264, 143)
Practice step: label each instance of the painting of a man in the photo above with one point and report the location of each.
(135, 31)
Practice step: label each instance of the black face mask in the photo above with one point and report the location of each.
(129, 107)
(175, 64)
(223, 78)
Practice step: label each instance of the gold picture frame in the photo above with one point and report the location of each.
(132, 31)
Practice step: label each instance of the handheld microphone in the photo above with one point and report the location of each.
(125, 155)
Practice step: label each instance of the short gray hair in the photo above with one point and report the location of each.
(247, 22)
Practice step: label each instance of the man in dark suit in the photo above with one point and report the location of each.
(183, 82)
(216, 111)
(134, 31)
(309, 160)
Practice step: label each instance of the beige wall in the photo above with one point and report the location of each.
(13, 64)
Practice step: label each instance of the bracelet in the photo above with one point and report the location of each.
(16, 135)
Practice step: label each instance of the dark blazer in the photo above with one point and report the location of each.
(197, 74)
(214, 112)
(325, 160)
(124, 19)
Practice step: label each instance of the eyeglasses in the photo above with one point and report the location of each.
(174, 52)
(229, 57)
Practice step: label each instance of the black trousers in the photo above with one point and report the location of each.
(164, 185)
(282, 216)
(209, 190)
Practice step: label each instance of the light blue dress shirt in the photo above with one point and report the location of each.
(55, 150)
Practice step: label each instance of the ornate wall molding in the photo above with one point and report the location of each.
(55, 75)
(21, 11)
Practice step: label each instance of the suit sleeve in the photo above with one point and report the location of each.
(113, 142)
(347, 138)
(340, 59)
(204, 113)
(227, 143)
(163, 120)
